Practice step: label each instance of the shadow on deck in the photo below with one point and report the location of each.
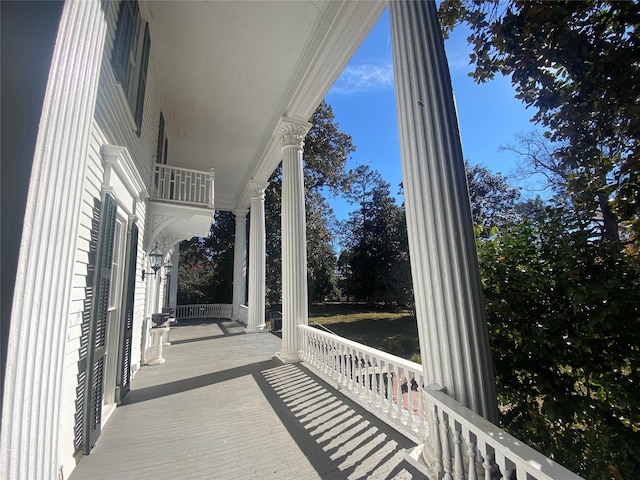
(222, 407)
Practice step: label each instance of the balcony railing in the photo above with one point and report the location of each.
(465, 445)
(182, 185)
(388, 384)
(210, 310)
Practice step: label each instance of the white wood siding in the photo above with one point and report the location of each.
(114, 125)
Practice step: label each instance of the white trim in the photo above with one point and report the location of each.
(119, 160)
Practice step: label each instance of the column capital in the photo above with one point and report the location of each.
(241, 214)
(292, 132)
(257, 188)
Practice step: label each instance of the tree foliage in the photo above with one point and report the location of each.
(375, 260)
(576, 64)
(205, 272)
(493, 201)
(564, 315)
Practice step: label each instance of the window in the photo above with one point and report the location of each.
(130, 57)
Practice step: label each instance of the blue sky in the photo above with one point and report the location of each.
(363, 101)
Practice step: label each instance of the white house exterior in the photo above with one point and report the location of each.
(126, 124)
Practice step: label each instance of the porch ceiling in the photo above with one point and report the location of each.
(229, 70)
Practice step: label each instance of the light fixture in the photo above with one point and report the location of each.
(155, 260)
(167, 268)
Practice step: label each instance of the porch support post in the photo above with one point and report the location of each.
(294, 238)
(173, 278)
(454, 341)
(240, 263)
(257, 258)
(41, 316)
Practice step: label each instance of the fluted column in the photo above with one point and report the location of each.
(257, 258)
(239, 263)
(453, 332)
(31, 417)
(294, 238)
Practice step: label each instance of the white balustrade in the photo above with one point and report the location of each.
(388, 384)
(209, 310)
(183, 185)
(468, 446)
(465, 445)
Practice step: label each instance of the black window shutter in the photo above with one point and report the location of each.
(142, 84)
(127, 333)
(98, 327)
(160, 145)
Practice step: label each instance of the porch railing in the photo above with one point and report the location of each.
(388, 384)
(210, 310)
(182, 185)
(465, 445)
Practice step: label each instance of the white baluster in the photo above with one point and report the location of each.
(436, 443)
(446, 449)
(396, 398)
(487, 463)
(505, 466)
(458, 467)
(471, 454)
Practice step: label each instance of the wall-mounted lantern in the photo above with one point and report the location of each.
(155, 260)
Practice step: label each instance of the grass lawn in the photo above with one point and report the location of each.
(392, 332)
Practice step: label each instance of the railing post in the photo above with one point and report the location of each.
(212, 178)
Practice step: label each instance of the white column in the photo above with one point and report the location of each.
(257, 257)
(294, 238)
(173, 279)
(453, 332)
(31, 416)
(239, 263)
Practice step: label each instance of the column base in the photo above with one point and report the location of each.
(258, 329)
(416, 457)
(288, 356)
(156, 361)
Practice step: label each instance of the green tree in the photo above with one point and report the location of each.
(576, 64)
(375, 260)
(493, 201)
(563, 308)
(205, 272)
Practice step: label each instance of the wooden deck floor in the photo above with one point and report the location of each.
(222, 407)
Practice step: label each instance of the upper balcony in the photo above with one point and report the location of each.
(181, 205)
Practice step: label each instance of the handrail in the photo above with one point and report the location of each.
(487, 446)
(205, 310)
(183, 185)
(463, 444)
(388, 384)
(319, 325)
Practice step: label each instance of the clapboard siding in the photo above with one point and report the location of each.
(113, 125)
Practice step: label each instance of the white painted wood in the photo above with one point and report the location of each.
(240, 263)
(365, 372)
(453, 333)
(511, 455)
(183, 185)
(257, 257)
(40, 312)
(244, 314)
(294, 237)
(205, 310)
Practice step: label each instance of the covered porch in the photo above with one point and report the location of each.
(223, 407)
